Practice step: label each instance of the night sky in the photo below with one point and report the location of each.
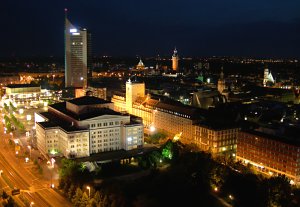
(256, 28)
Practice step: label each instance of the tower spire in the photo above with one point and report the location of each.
(175, 52)
(222, 73)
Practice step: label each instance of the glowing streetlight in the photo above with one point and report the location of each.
(52, 162)
(89, 188)
(21, 111)
(152, 128)
(31, 204)
(28, 117)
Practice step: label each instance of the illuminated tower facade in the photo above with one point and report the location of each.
(78, 55)
(133, 90)
(140, 65)
(266, 75)
(175, 59)
(221, 81)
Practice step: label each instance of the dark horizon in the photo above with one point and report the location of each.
(256, 29)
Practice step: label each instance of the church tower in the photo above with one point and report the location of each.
(175, 59)
(221, 81)
(266, 74)
(140, 65)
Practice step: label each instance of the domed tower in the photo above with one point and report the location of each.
(140, 65)
(175, 59)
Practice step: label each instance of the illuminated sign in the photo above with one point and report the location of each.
(73, 30)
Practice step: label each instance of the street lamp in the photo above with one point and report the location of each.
(152, 128)
(31, 204)
(89, 188)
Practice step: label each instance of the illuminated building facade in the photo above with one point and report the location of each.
(84, 126)
(216, 139)
(269, 154)
(140, 65)
(175, 60)
(78, 55)
(91, 91)
(267, 77)
(172, 118)
(22, 93)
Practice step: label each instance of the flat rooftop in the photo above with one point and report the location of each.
(87, 115)
(88, 100)
(22, 85)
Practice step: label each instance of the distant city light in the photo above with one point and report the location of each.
(28, 117)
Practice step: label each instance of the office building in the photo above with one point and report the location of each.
(78, 57)
(270, 154)
(216, 139)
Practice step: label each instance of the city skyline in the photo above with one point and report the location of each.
(256, 29)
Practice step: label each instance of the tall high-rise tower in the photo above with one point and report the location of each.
(78, 55)
(221, 81)
(175, 59)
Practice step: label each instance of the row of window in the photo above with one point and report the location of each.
(111, 123)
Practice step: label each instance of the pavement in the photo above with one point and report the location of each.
(18, 174)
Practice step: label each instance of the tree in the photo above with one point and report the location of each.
(6, 108)
(77, 197)
(167, 150)
(154, 158)
(12, 106)
(155, 138)
(4, 195)
(105, 201)
(279, 191)
(97, 197)
(84, 200)
(71, 191)
(10, 202)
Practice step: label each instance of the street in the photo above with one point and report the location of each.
(16, 174)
